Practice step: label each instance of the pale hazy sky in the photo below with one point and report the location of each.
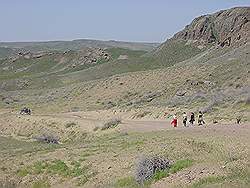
(127, 20)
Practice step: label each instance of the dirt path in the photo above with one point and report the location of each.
(161, 125)
(155, 124)
(139, 125)
(87, 122)
(147, 125)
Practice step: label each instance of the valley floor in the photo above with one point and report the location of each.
(88, 156)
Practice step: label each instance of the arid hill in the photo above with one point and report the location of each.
(226, 27)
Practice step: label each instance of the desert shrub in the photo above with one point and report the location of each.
(22, 172)
(152, 169)
(71, 124)
(96, 128)
(148, 166)
(75, 109)
(49, 139)
(141, 114)
(111, 123)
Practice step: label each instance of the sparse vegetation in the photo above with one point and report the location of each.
(41, 184)
(49, 139)
(111, 123)
(70, 124)
(153, 173)
(208, 181)
(127, 182)
(22, 172)
(59, 167)
(140, 114)
(179, 165)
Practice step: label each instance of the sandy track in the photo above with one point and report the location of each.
(87, 122)
(151, 125)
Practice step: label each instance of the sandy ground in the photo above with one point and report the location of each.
(12, 124)
(87, 121)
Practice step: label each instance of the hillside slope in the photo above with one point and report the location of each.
(183, 76)
(76, 45)
(226, 28)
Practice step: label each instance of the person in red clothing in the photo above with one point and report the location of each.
(174, 121)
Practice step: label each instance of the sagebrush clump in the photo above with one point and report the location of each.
(148, 166)
(111, 123)
(49, 139)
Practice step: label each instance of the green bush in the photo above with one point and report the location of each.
(179, 165)
(160, 174)
(22, 172)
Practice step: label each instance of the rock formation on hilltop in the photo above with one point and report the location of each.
(225, 28)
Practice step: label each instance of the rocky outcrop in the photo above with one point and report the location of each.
(225, 28)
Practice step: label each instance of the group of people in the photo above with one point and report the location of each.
(201, 121)
(25, 111)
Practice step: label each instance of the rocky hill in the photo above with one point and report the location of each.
(226, 27)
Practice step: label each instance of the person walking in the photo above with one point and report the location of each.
(174, 121)
(192, 119)
(184, 119)
(201, 118)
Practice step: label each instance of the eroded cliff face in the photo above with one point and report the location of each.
(225, 28)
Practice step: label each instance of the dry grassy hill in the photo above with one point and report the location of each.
(180, 74)
(95, 111)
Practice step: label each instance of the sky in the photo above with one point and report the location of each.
(124, 20)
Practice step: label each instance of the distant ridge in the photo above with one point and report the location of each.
(78, 44)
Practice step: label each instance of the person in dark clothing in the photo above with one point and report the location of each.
(184, 119)
(201, 118)
(238, 120)
(192, 119)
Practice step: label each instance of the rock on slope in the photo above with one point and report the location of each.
(225, 27)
